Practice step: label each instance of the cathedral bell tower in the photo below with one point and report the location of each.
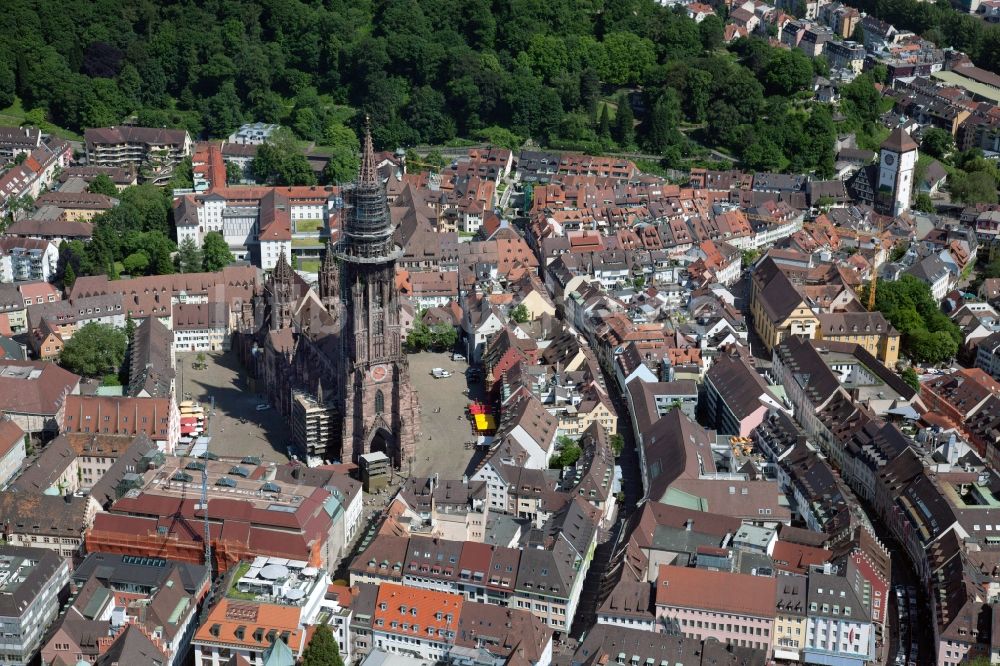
(380, 411)
(281, 292)
(329, 280)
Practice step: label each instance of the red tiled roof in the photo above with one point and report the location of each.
(740, 594)
(423, 612)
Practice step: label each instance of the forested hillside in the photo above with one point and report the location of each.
(425, 70)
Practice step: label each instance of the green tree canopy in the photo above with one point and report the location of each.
(234, 173)
(102, 184)
(322, 649)
(215, 252)
(975, 187)
(923, 203)
(520, 314)
(94, 350)
(937, 142)
(929, 336)
(568, 452)
(281, 162)
(189, 257)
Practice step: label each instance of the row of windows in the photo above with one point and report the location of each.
(732, 628)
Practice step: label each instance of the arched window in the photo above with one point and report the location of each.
(379, 402)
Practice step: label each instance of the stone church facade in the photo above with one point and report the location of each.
(337, 355)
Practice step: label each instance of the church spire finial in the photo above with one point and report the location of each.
(368, 174)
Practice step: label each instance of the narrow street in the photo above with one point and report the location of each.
(603, 575)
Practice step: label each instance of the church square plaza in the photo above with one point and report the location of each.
(443, 434)
(237, 428)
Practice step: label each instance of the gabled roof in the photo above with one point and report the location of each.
(739, 594)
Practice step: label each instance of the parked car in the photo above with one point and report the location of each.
(262, 407)
(457, 357)
(440, 373)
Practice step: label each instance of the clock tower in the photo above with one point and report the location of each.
(380, 411)
(897, 161)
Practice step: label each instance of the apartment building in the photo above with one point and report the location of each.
(737, 609)
(838, 629)
(31, 580)
(27, 259)
(152, 152)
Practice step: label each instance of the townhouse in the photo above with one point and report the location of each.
(735, 609)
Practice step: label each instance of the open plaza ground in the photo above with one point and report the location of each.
(236, 427)
(445, 426)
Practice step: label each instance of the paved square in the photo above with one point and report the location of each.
(445, 426)
(263, 434)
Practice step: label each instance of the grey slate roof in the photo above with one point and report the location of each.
(144, 573)
(16, 598)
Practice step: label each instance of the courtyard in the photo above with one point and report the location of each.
(236, 427)
(445, 426)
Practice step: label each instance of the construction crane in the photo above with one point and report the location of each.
(873, 284)
(871, 291)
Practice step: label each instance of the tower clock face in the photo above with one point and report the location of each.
(889, 159)
(378, 372)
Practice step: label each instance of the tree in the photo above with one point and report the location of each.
(629, 57)
(858, 35)
(762, 154)
(568, 453)
(712, 31)
(94, 350)
(322, 649)
(923, 203)
(787, 72)
(103, 184)
(215, 254)
(975, 187)
(69, 276)
(420, 337)
(604, 124)
(136, 263)
(617, 444)
(342, 167)
(661, 132)
(443, 336)
(234, 173)
(624, 123)
(189, 257)
(280, 161)
(520, 314)
(129, 328)
(929, 336)
(910, 377)
(499, 137)
(937, 142)
(992, 269)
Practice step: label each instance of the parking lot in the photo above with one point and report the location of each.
(445, 426)
(237, 428)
